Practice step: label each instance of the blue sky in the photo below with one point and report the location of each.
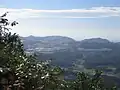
(59, 4)
(78, 19)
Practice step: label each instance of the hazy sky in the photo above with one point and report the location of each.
(78, 19)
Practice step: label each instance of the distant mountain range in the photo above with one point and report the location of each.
(96, 51)
(55, 43)
(85, 55)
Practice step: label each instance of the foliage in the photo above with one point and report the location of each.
(30, 74)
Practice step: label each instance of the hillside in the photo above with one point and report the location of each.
(47, 44)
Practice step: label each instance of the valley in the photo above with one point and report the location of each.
(74, 56)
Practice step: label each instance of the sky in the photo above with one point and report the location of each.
(78, 19)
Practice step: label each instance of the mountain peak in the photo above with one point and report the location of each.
(96, 40)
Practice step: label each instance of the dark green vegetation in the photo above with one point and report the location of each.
(20, 71)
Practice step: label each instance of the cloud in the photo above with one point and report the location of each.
(94, 12)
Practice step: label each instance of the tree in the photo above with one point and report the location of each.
(28, 72)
